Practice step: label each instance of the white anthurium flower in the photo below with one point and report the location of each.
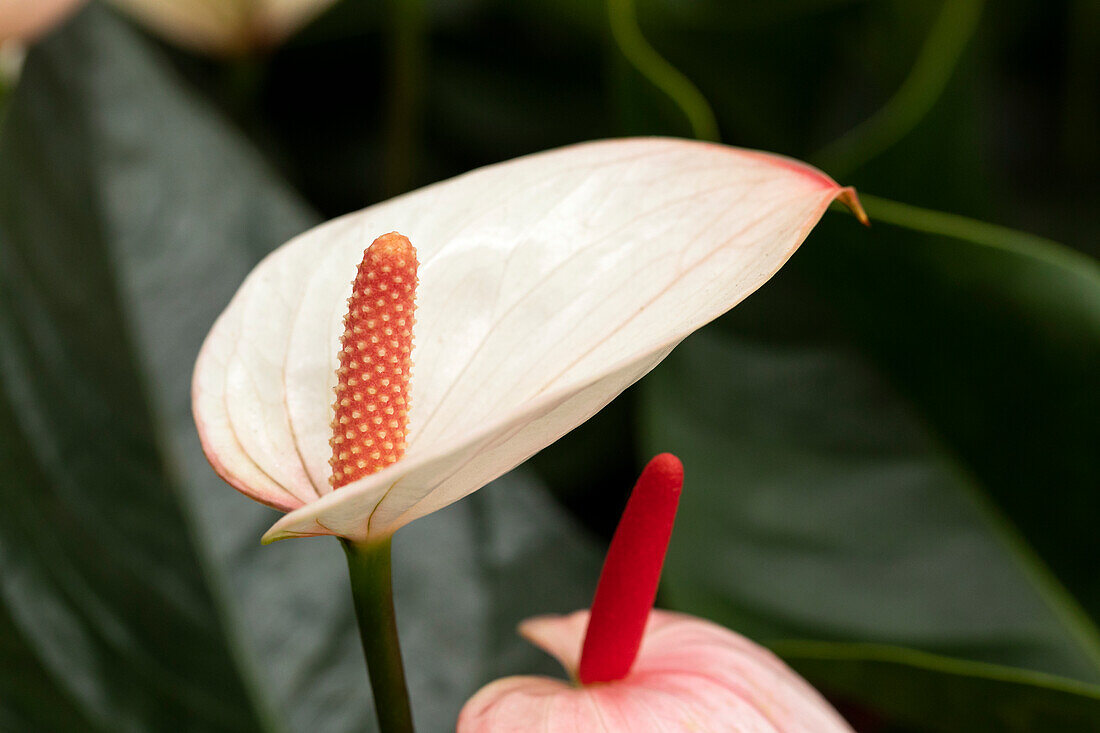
(224, 26)
(547, 285)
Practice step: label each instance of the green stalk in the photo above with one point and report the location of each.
(406, 60)
(935, 65)
(627, 35)
(372, 591)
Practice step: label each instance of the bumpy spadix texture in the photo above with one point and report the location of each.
(372, 406)
(691, 675)
(548, 284)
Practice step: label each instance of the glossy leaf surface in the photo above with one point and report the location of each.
(135, 594)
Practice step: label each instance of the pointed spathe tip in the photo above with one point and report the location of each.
(850, 198)
(275, 534)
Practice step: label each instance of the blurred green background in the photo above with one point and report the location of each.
(891, 450)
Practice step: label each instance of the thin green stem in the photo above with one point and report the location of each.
(936, 62)
(1082, 105)
(666, 77)
(406, 39)
(981, 233)
(800, 649)
(372, 591)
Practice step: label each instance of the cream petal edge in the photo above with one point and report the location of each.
(560, 636)
(342, 512)
(209, 410)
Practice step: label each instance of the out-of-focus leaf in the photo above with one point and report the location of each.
(102, 577)
(464, 578)
(134, 593)
(1034, 307)
(995, 338)
(818, 506)
(592, 469)
(499, 81)
(32, 698)
(932, 69)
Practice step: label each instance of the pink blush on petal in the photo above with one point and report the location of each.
(690, 676)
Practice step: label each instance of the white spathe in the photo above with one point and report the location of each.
(548, 285)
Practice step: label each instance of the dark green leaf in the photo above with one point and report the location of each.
(997, 343)
(841, 433)
(135, 594)
(818, 506)
(103, 577)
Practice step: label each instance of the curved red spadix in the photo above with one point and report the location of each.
(631, 573)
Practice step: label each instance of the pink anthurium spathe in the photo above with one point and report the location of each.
(547, 286)
(636, 670)
(690, 675)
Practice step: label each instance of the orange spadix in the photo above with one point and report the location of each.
(372, 402)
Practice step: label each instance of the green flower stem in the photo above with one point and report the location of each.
(407, 40)
(372, 591)
(935, 65)
(628, 37)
